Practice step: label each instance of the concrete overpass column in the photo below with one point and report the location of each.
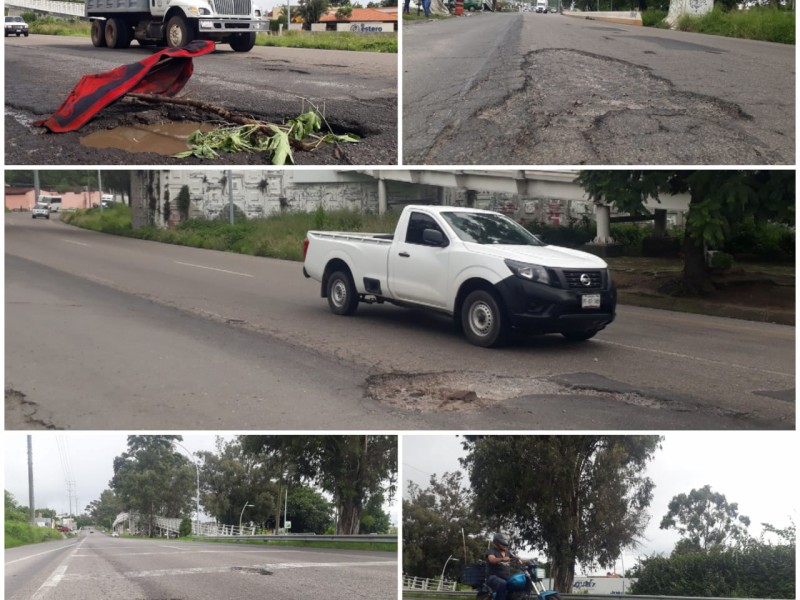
(383, 198)
(660, 223)
(602, 215)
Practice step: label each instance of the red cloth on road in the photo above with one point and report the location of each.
(164, 73)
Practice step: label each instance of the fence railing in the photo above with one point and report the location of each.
(428, 585)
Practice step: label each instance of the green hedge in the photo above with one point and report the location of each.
(18, 533)
(759, 572)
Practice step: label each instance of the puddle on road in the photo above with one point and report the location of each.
(165, 139)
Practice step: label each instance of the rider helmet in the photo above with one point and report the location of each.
(499, 540)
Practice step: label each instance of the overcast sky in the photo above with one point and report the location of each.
(85, 458)
(758, 470)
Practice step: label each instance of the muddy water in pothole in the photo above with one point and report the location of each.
(163, 138)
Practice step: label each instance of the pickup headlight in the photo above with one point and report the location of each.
(527, 271)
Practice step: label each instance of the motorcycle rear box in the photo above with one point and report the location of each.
(474, 575)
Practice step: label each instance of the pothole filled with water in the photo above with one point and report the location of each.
(165, 139)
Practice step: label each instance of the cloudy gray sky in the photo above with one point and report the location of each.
(755, 469)
(85, 458)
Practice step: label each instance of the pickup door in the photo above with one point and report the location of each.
(418, 271)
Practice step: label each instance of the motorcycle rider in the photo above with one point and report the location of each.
(498, 569)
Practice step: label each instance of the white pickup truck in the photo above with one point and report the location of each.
(487, 271)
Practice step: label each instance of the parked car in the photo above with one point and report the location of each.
(114, 534)
(16, 26)
(64, 529)
(41, 210)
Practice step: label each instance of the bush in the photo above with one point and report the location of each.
(571, 236)
(758, 23)
(761, 571)
(185, 529)
(654, 18)
(764, 241)
(721, 261)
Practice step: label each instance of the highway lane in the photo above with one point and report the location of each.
(357, 91)
(99, 566)
(532, 89)
(180, 337)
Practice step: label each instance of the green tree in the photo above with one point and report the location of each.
(344, 12)
(438, 522)
(351, 468)
(312, 11)
(706, 520)
(373, 518)
(580, 499)
(105, 509)
(118, 182)
(231, 478)
(14, 511)
(308, 510)
(183, 201)
(151, 478)
(185, 528)
(718, 200)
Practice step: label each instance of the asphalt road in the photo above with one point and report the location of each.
(533, 89)
(114, 333)
(357, 91)
(99, 566)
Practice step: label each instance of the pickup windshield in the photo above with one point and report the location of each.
(481, 228)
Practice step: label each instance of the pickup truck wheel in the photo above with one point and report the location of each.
(179, 32)
(98, 33)
(342, 295)
(483, 320)
(242, 42)
(579, 336)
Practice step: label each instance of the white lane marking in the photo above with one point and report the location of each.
(177, 262)
(696, 358)
(98, 279)
(186, 551)
(74, 242)
(57, 576)
(11, 562)
(233, 568)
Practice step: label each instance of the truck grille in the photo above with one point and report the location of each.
(232, 7)
(574, 279)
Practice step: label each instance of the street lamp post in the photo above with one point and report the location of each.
(441, 580)
(241, 515)
(197, 497)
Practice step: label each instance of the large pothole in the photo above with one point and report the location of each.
(611, 112)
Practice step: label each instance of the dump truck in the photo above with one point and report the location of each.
(174, 23)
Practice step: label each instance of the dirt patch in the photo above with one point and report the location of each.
(756, 295)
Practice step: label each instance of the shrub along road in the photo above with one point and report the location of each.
(142, 335)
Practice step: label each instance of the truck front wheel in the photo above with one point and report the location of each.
(482, 320)
(118, 33)
(179, 32)
(342, 295)
(242, 42)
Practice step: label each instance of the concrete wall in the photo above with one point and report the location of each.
(69, 200)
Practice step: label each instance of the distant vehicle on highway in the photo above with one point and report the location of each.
(40, 210)
(64, 529)
(114, 534)
(54, 202)
(16, 26)
(541, 6)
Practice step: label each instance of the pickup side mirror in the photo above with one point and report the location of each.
(433, 237)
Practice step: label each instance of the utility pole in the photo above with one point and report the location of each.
(230, 194)
(35, 195)
(100, 188)
(30, 442)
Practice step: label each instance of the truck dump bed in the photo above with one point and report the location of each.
(121, 6)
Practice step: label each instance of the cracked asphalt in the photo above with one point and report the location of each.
(514, 89)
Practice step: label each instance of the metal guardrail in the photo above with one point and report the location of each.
(300, 537)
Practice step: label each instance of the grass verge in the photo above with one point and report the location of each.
(758, 23)
(384, 42)
(22, 534)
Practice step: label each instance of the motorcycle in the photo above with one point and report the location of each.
(524, 585)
